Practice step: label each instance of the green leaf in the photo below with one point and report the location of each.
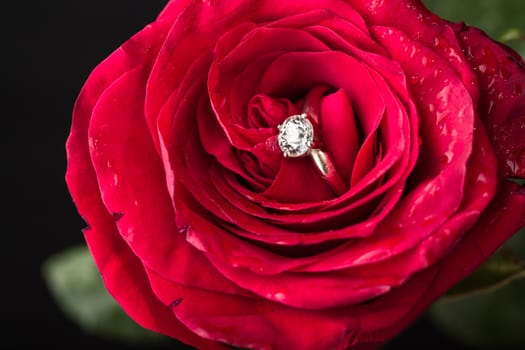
(505, 266)
(492, 320)
(517, 244)
(512, 34)
(517, 180)
(487, 309)
(78, 290)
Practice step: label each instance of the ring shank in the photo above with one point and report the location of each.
(328, 171)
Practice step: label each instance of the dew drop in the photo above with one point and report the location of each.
(93, 144)
(453, 54)
(444, 129)
(513, 166)
(130, 234)
(117, 215)
(439, 117)
(482, 178)
(272, 144)
(410, 6)
(375, 5)
(183, 230)
(279, 296)
(491, 107)
(413, 52)
(202, 332)
(446, 158)
(176, 302)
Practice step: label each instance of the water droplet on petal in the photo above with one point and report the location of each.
(491, 107)
(93, 143)
(176, 302)
(203, 333)
(279, 296)
(482, 178)
(446, 158)
(413, 52)
(183, 230)
(375, 5)
(439, 117)
(444, 129)
(117, 215)
(130, 234)
(513, 166)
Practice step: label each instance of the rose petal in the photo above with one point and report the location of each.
(294, 176)
(340, 134)
(285, 77)
(123, 156)
(501, 73)
(250, 323)
(265, 111)
(472, 250)
(126, 281)
(121, 270)
(215, 142)
(80, 177)
(190, 36)
(260, 42)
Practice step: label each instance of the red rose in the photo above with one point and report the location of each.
(205, 231)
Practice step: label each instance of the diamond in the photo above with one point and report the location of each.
(296, 135)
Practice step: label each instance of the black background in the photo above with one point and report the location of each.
(48, 50)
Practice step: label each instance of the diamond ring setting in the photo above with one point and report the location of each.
(297, 138)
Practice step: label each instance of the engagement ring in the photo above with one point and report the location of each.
(297, 139)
